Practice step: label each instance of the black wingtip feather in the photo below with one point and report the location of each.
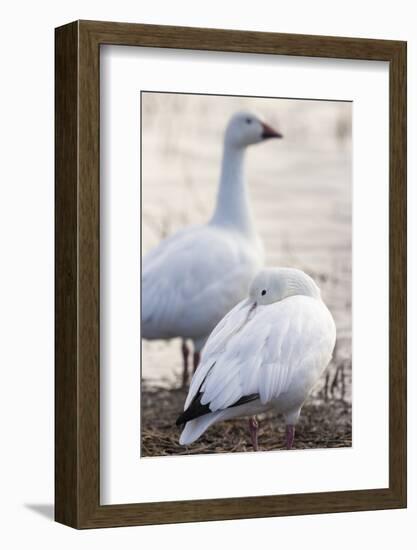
(196, 409)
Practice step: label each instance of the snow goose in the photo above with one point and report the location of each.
(266, 353)
(193, 278)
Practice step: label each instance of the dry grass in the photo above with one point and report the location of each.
(323, 424)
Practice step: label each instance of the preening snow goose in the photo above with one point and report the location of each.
(266, 353)
(193, 278)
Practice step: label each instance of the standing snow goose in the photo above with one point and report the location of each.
(267, 353)
(193, 278)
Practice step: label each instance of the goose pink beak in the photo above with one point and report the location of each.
(269, 132)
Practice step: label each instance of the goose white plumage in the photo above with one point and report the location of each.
(266, 353)
(193, 278)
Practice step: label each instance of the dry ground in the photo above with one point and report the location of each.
(323, 424)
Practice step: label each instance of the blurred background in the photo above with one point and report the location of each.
(300, 189)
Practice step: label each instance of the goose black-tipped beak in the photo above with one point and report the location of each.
(269, 132)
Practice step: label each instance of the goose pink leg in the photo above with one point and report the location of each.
(289, 436)
(185, 354)
(253, 429)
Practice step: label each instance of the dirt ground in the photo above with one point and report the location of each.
(324, 423)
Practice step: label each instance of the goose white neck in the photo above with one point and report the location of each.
(233, 207)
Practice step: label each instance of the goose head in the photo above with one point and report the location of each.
(275, 284)
(246, 129)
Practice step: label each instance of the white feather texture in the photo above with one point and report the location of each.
(274, 347)
(193, 278)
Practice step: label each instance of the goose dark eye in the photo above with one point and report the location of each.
(248, 121)
(263, 292)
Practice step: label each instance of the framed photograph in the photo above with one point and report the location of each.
(230, 274)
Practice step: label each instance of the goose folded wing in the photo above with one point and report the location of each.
(261, 360)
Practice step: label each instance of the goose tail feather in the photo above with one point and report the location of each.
(195, 428)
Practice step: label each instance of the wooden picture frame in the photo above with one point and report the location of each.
(77, 382)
